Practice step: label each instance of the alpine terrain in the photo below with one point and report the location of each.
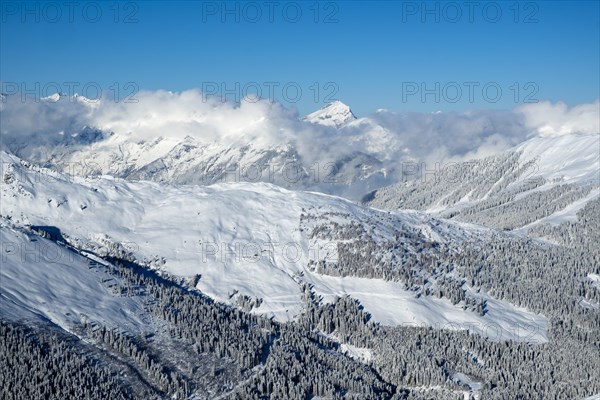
(156, 264)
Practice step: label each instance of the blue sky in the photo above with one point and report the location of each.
(369, 55)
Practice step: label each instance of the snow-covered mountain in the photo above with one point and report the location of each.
(148, 271)
(302, 156)
(335, 114)
(177, 262)
(243, 239)
(181, 138)
(545, 179)
(190, 161)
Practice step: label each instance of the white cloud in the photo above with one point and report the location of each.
(548, 119)
(391, 137)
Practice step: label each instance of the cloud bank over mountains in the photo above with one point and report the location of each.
(556, 119)
(390, 136)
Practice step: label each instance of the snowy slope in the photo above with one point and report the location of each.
(544, 179)
(390, 304)
(40, 278)
(571, 158)
(243, 239)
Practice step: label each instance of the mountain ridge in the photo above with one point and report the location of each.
(529, 183)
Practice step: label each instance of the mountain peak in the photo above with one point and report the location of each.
(335, 114)
(75, 98)
(54, 97)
